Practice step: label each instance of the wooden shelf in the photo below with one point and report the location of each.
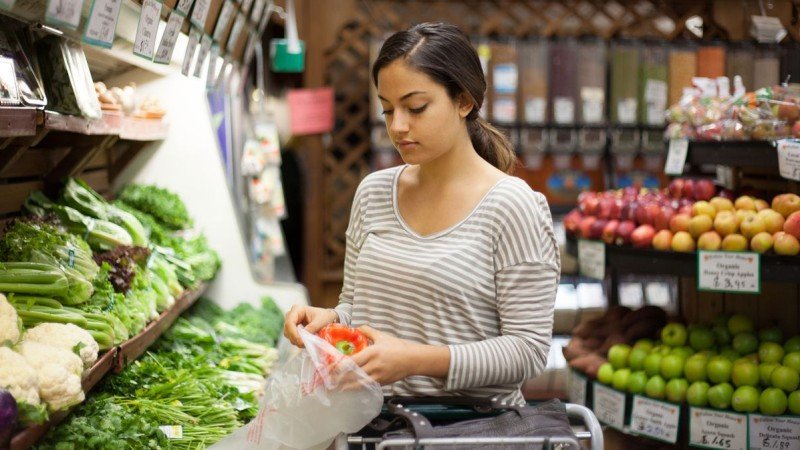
(15, 122)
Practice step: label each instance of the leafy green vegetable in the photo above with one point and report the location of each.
(163, 205)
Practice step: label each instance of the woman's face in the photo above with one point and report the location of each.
(421, 119)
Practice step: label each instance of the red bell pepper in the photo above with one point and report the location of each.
(347, 340)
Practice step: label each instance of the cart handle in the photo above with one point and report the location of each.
(589, 419)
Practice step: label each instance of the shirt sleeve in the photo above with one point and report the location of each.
(353, 237)
(527, 271)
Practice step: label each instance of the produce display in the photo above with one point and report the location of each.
(688, 215)
(766, 114)
(724, 365)
(124, 99)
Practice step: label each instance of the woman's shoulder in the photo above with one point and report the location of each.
(377, 185)
(513, 194)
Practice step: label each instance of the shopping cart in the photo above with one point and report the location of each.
(420, 414)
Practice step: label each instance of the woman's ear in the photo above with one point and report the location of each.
(465, 105)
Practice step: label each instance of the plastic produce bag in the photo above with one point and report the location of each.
(309, 400)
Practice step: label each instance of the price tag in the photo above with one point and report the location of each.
(194, 38)
(168, 39)
(729, 272)
(505, 78)
(205, 47)
(789, 159)
(609, 406)
(626, 110)
(725, 177)
(183, 6)
(64, 12)
(172, 431)
(564, 110)
(592, 259)
(535, 110)
(258, 10)
(655, 95)
(8, 5)
(224, 19)
(211, 74)
(676, 156)
(237, 29)
(102, 23)
(774, 432)
(593, 101)
(658, 420)
(577, 387)
(200, 12)
(246, 4)
(717, 429)
(145, 43)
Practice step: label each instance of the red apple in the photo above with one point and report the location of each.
(572, 220)
(704, 189)
(676, 188)
(785, 244)
(624, 231)
(688, 189)
(605, 206)
(596, 229)
(796, 130)
(642, 236)
(680, 222)
(610, 231)
(792, 224)
(663, 217)
(585, 225)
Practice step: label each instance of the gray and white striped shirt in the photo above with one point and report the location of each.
(485, 287)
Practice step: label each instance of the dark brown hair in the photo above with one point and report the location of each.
(445, 54)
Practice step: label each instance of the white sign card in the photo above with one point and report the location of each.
(655, 419)
(169, 38)
(774, 432)
(609, 406)
(145, 43)
(709, 428)
(102, 23)
(676, 156)
(65, 13)
(592, 258)
(729, 272)
(789, 159)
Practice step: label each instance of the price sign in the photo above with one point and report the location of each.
(200, 12)
(246, 4)
(717, 429)
(729, 272)
(224, 19)
(102, 23)
(725, 177)
(593, 102)
(211, 73)
(535, 110)
(658, 420)
(563, 110)
(577, 388)
(205, 47)
(241, 19)
(626, 110)
(774, 432)
(183, 6)
(676, 156)
(194, 38)
(168, 39)
(789, 158)
(145, 43)
(592, 259)
(609, 406)
(258, 10)
(64, 12)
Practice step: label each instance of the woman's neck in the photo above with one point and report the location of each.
(461, 161)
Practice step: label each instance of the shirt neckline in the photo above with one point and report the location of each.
(409, 230)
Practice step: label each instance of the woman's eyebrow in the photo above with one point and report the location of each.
(405, 96)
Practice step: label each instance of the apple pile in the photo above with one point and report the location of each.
(724, 366)
(689, 215)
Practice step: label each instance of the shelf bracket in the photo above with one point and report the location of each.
(120, 163)
(77, 159)
(8, 156)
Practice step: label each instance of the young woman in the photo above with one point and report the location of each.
(451, 265)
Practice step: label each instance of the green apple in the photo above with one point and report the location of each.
(676, 390)
(637, 382)
(618, 355)
(771, 334)
(745, 343)
(674, 334)
(719, 369)
(605, 374)
(644, 344)
(620, 379)
(785, 378)
(684, 351)
(745, 399)
(770, 352)
(792, 345)
(695, 368)
(636, 358)
(655, 387)
(729, 353)
(745, 374)
(701, 339)
(672, 366)
(765, 373)
(697, 394)
(740, 323)
(661, 349)
(721, 319)
(772, 402)
(792, 360)
(794, 403)
(721, 335)
(652, 364)
(720, 396)
(706, 354)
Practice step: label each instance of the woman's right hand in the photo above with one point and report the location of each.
(312, 318)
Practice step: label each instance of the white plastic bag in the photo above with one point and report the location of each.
(309, 400)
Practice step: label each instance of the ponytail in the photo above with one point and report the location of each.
(490, 143)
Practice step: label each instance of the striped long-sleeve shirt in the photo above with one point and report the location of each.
(484, 287)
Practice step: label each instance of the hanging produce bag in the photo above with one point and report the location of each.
(309, 400)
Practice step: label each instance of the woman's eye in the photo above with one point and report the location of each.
(387, 112)
(418, 110)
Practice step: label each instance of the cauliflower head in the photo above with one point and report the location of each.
(58, 387)
(18, 377)
(40, 355)
(9, 322)
(65, 336)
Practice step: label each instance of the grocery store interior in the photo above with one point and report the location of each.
(175, 175)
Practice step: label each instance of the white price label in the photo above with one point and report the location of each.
(564, 110)
(172, 431)
(194, 38)
(725, 177)
(237, 29)
(205, 47)
(211, 73)
(183, 6)
(592, 258)
(676, 156)
(8, 5)
(102, 23)
(577, 388)
(626, 110)
(169, 38)
(535, 110)
(505, 78)
(258, 10)
(200, 13)
(64, 12)
(717, 429)
(774, 432)
(246, 4)
(609, 406)
(593, 99)
(789, 159)
(658, 420)
(145, 43)
(224, 19)
(729, 272)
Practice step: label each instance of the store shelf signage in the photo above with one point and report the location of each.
(169, 38)
(577, 388)
(224, 19)
(66, 13)
(183, 6)
(717, 429)
(194, 38)
(102, 23)
(200, 12)
(774, 432)
(564, 110)
(145, 43)
(592, 259)
(738, 272)
(609, 406)
(655, 419)
(789, 159)
(205, 47)
(310, 110)
(676, 156)
(241, 19)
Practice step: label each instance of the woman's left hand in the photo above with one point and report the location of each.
(388, 359)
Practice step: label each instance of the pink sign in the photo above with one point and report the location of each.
(311, 110)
